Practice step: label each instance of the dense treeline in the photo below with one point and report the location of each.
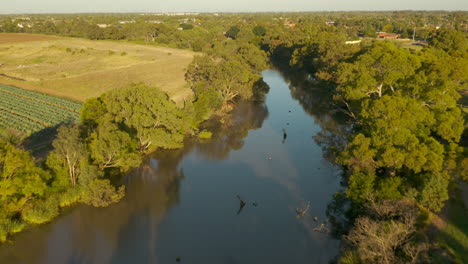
(198, 31)
(406, 125)
(33, 193)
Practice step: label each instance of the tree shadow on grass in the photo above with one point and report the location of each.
(454, 236)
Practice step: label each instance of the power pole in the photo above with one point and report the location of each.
(414, 32)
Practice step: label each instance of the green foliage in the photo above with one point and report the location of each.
(205, 134)
(380, 68)
(388, 188)
(232, 32)
(360, 187)
(70, 150)
(408, 122)
(400, 131)
(92, 111)
(41, 211)
(349, 257)
(71, 196)
(321, 53)
(358, 155)
(259, 31)
(231, 69)
(100, 193)
(433, 191)
(152, 118)
(8, 226)
(111, 147)
(207, 101)
(387, 28)
(452, 41)
(20, 179)
(185, 26)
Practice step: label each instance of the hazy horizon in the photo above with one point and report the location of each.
(210, 6)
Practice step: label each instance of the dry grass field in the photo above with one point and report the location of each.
(80, 69)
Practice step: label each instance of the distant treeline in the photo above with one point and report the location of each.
(199, 32)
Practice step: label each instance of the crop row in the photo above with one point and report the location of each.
(47, 99)
(10, 120)
(28, 114)
(38, 111)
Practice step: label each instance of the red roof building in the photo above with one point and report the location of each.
(388, 35)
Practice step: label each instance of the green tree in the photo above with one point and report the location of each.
(259, 31)
(380, 68)
(100, 193)
(111, 147)
(151, 117)
(20, 179)
(452, 41)
(388, 28)
(69, 150)
(232, 32)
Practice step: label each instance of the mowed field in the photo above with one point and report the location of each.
(80, 69)
(31, 111)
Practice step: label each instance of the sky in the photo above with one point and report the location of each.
(91, 6)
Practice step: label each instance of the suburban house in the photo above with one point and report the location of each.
(353, 41)
(290, 24)
(126, 21)
(388, 35)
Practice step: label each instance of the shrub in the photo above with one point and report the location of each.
(70, 197)
(101, 193)
(8, 226)
(42, 211)
(205, 134)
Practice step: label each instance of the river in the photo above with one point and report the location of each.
(183, 206)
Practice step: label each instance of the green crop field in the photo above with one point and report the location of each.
(31, 111)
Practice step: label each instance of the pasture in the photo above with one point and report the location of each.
(80, 69)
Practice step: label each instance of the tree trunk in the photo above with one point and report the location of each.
(379, 90)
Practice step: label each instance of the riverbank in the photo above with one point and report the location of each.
(182, 203)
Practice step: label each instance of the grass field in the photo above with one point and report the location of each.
(31, 111)
(451, 228)
(81, 69)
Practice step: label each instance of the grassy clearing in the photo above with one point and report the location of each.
(81, 69)
(453, 233)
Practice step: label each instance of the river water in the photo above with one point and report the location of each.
(183, 206)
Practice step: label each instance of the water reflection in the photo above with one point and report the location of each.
(231, 133)
(317, 100)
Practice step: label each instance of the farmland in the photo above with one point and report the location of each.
(80, 69)
(31, 111)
